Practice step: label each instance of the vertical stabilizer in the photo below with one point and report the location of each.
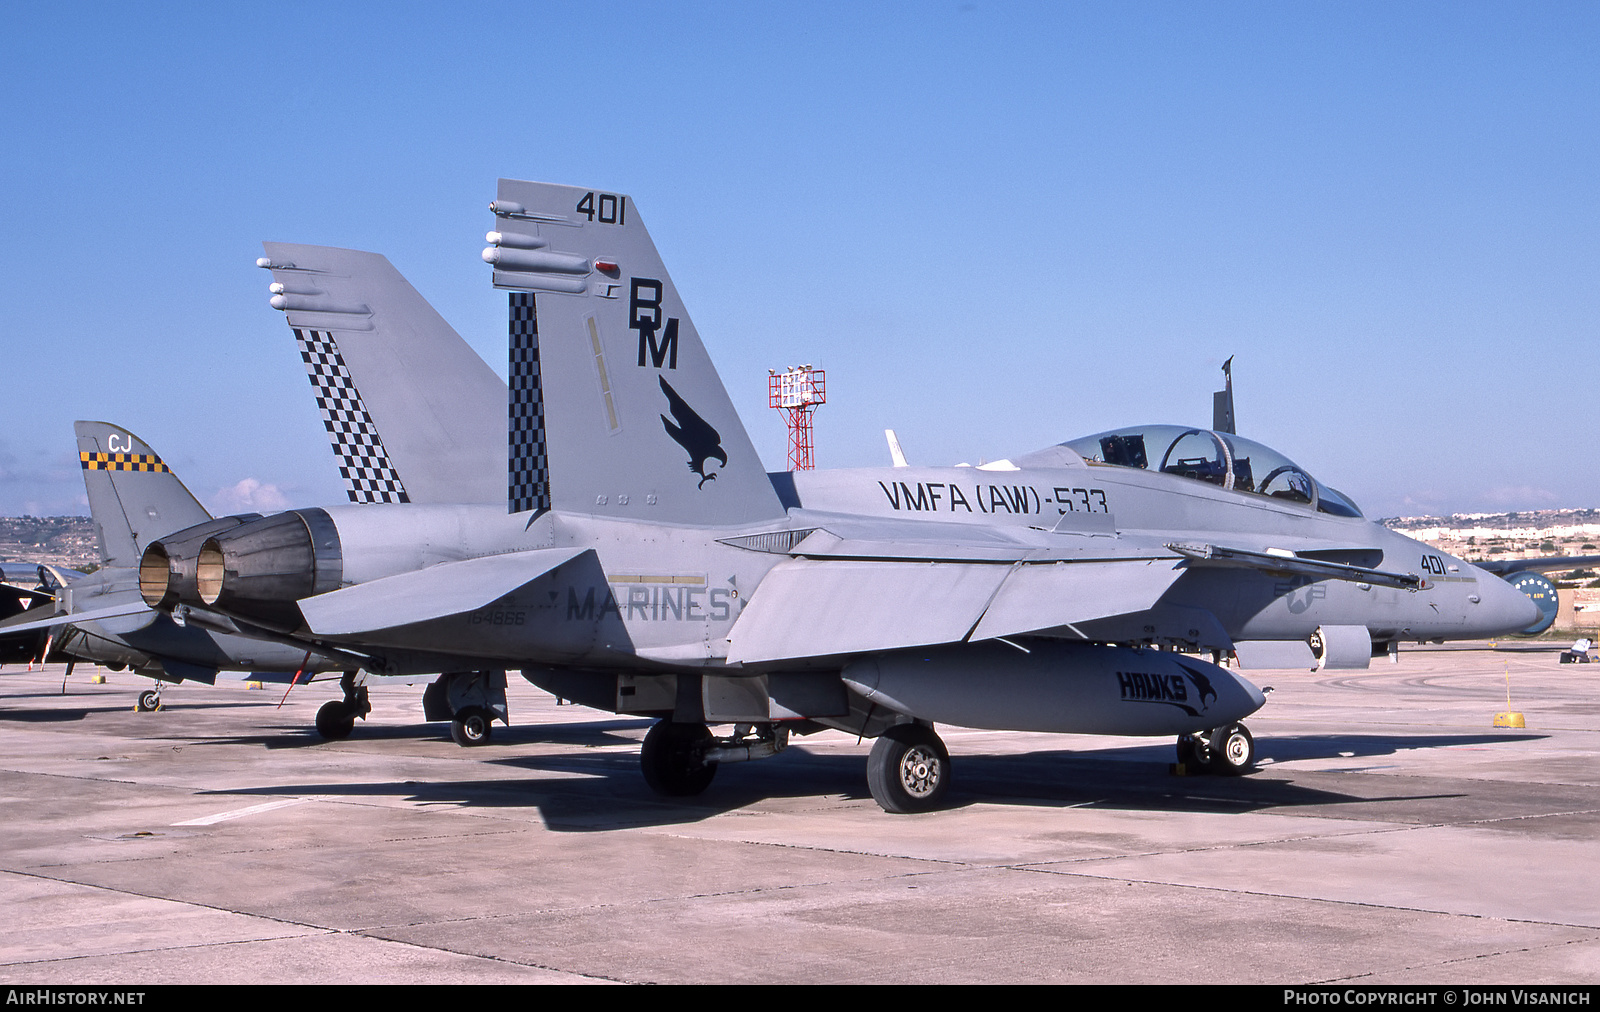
(414, 415)
(614, 387)
(134, 497)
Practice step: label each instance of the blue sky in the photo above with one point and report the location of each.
(996, 225)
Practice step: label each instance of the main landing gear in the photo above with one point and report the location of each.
(337, 717)
(908, 769)
(674, 759)
(679, 759)
(1227, 751)
(470, 727)
(471, 701)
(149, 700)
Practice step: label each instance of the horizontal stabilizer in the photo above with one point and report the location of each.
(813, 609)
(1238, 558)
(27, 621)
(1052, 595)
(452, 588)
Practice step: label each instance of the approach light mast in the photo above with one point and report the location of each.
(797, 392)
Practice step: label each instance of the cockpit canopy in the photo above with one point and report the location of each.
(1218, 458)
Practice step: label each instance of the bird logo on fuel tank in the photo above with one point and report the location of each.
(1168, 690)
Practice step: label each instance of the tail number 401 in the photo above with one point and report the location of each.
(609, 208)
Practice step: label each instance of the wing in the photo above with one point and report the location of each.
(863, 586)
(1547, 564)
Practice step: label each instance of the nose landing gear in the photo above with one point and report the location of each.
(1228, 751)
(337, 717)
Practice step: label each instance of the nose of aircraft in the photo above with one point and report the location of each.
(1501, 608)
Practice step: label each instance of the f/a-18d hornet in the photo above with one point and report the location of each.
(646, 563)
(100, 618)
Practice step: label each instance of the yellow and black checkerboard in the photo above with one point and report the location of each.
(123, 462)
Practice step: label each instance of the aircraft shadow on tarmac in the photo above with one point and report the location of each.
(55, 714)
(1290, 748)
(102, 703)
(601, 791)
(52, 714)
(612, 731)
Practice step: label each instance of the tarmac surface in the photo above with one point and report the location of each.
(1392, 835)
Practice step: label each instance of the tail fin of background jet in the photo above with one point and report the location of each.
(134, 497)
(613, 396)
(381, 360)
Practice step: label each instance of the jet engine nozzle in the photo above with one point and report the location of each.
(167, 567)
(258, 571)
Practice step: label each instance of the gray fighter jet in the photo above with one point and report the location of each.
(646, 563)
(100, 618)
(1526, 575)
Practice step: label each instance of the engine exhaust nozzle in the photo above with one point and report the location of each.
(258, 571)
(167, 567)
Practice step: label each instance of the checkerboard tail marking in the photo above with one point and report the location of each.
(123, 462)
(528, 471)
(368, 475)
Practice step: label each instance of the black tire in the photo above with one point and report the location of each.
(908, 770)
(149, 700)
(1230, 751)
(334, 720)
(1189, 754)
(672, 759)
(472, 726)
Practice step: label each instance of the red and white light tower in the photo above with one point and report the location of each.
(797, 391)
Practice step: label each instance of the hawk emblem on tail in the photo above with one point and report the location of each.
(694, 434)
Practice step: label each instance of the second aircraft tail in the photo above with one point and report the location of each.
(134, 498)
(414, 415)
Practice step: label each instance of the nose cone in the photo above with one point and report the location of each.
(1501, 608)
